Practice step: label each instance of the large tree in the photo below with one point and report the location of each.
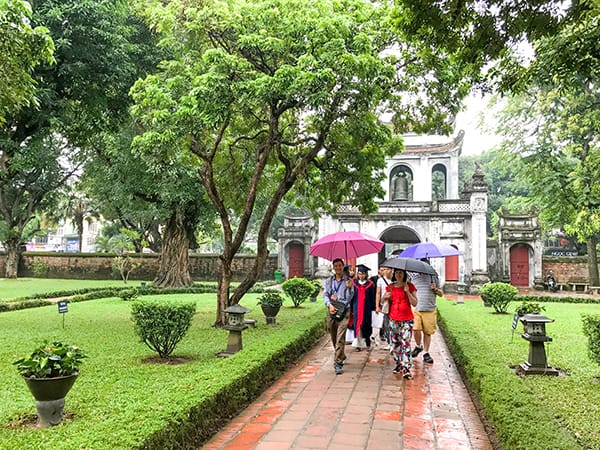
(552, 130)
(284, 96)
(144, 193)
(99, 52)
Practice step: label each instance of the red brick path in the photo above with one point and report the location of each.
(367, 407)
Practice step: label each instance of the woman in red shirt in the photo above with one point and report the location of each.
(401, 294)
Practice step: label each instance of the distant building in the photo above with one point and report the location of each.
(65, 238)
(422, 203)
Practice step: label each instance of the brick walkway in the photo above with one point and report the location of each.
(367, 407)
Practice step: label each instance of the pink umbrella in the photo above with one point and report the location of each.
(345, 245)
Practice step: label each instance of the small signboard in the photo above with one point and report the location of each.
(515, 321)
(62, 307)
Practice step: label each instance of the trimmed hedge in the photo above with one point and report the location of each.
(498, 295)
(125, 292)
(521, 417)
(298, 289)
(591, 328)
(251, 380)
(557, 299)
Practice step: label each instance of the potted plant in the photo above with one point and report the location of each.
(270, 302)
(50, 372)
(529, 308)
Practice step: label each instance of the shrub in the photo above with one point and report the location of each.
(40, 269)
(271, 298)
(591, 328)
(526, 307)
(298, 289)
(123, 266)
(498, 295)
(162, 325)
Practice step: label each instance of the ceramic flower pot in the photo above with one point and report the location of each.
(49, 394)
(270, 312)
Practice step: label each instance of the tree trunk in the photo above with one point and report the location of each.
(13, 255)
(174, 269)
(80, 234)
(593, 261)
(223, 300)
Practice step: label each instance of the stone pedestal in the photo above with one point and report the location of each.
(234, 341)
(50, 412)
(478, 279)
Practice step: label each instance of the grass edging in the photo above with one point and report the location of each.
(519, 418)
(208, 417)
(82, 295)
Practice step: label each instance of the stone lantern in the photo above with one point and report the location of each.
(535, 332)
(235, 324)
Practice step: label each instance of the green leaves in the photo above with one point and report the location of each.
(22, 49)
(51, 360)
(298, 289)
(162, 325)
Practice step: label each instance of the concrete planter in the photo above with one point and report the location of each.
(50, 394)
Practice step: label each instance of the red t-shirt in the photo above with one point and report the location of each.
(400, 308)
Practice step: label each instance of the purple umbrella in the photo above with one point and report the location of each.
(429, 250)
(345, 245)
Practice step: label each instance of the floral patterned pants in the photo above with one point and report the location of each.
(401, 334)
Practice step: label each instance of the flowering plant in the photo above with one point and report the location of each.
(51, 360)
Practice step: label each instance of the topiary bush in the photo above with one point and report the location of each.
(298, 289)
(591, 328)
(498, 295)
(162, 325)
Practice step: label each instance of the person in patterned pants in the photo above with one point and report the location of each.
(401, 294)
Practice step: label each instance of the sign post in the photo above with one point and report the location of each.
(63, 309)
(514, 326)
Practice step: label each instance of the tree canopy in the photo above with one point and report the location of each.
(100, 49)
(22, 48)
(551, 130)
(282, 97)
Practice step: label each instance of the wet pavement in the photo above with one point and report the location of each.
(367, 407)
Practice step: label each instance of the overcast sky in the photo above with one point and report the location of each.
(476, 140)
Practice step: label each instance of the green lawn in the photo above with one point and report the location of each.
(119, 400)
(21, 287)
(536, 411)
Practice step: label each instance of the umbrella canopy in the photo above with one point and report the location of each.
(409, 265)
(429, 250)
(345, 245)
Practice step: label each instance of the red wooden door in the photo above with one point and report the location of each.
(452, 268)
(519, 265)
(296, 268)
